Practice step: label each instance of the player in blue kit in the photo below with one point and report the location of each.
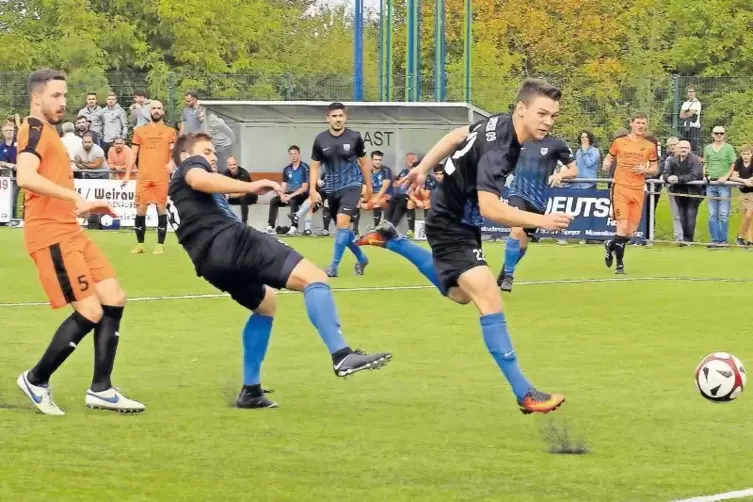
(479, 159)
(341, 152)
(381, 182)
(248, 264)
(534, 174)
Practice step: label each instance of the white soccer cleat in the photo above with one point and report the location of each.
(40, 396)
(112, 400)
(269, 230)
(292, 231)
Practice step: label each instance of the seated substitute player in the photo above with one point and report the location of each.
(636, 157)
(247, 264)
(295, 190)
(72, 269)
(482, 156)
(534, 173)
(342, 153)
(151, 145)
(399, 202)
(418, 199)
(381, 182)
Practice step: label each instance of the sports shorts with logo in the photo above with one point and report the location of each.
(455, 248)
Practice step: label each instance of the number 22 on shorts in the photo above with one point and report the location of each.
(479, 254)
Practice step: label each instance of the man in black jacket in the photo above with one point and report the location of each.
(681, 169)
(240, 199)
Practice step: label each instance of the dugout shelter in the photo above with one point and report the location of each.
(265, 129)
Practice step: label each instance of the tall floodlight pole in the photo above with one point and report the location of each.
(358, 52)
(410, 53)
(439, 51)
(385, 50)
(467, 50)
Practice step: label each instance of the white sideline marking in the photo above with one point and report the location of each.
(748, 492)
(408, 288)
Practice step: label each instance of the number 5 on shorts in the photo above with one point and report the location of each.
(83, 283)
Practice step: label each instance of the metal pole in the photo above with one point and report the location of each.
(676, 105)
(358, 52)
(417, 49)
(439, 54)
(381, 51)
(409, 52)
(467, 50)
(388, 57)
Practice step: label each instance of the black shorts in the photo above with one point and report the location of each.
(456, 248)
(344, 201)
(524, 205)
(241, 261)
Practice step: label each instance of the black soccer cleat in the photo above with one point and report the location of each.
(506, 283)
(358, 360)
(620, 270)
(249, 399)
(608, 255)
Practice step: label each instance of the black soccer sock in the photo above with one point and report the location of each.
(161, 228)
(411, 219)
(619, 243)
(65, 341)
(356, 221)
(326, 218)
(341, 354)
(106, 339)
(139, 226)
(377, 216)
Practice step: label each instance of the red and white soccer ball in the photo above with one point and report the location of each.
(720, 377)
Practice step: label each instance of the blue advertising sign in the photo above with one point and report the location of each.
(590, 206)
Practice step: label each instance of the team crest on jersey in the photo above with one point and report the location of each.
(544, 151)
(346, 148)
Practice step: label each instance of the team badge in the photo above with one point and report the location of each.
(544, 151)
(346, 148)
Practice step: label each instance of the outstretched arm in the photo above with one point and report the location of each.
(203, 181)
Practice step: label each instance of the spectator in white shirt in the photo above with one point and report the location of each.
(71, 141)
(690, 114)
(89, 157)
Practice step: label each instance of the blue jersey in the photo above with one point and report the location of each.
(377, 178)
(339, 156)
(295, 178)
(430, 183)
(401, 190)
(537, 162)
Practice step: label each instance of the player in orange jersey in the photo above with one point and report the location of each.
(152, 144)
(636, 157)
(71, 267)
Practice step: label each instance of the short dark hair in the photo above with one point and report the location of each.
(91, 94)
(89, 134)
(140, 93)
(591, 138)
(377, 153)
(334, 107)
(534, 87)
(180, 147)
(118, 138)
(82, 117)
(193, 94)
(439, 168)
(40, 78)
(196, 138)
(112, 93)
(638, 115)
(294, 147)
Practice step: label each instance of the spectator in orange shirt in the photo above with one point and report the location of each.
(118, 158)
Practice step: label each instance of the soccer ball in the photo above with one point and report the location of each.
(720, 377)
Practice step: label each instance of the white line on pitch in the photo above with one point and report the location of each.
(408, 288)
(748, 492)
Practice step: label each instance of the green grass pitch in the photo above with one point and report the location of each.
(438, 423)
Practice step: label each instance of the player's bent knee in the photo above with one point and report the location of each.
(458, 296)
(518, 233)
(480, 285)
(90, 308)
(305, 274)
(268, 306)
(110, 293)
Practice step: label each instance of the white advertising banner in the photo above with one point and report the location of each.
(121, 198)
(6, 200)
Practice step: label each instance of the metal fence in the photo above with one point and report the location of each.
(601, 108)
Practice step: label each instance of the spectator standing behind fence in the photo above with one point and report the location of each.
(71, 140)
(743, 173)
(672, 143)
(690, 114)
(8, 153)
(118, 158)
(95, 114)
(89, 157)
(222, 137)
(587, 159)
(295, 189)
(244, 200)
(680, 169)
(189, 117)
(115, 123)
(718, 162)
(83, 126)
(140, 108)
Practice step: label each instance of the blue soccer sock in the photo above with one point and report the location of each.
(512, 255)
(255, 342)
(356, 250)
(320, 306)
(494, 328)
(522, 253)
(417, 255)
(342, 238)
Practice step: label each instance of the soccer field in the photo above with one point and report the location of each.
(438, 423)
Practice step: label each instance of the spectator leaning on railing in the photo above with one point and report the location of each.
(119, 157)
(71, 140)
(743, 173)
(718, 162)
(91, 157)
(683, 168)
(676, 225)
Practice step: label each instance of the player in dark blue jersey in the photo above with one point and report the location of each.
(479, 159)
(248, 264)
(399, 203)
(341, 152)
(535, 172)
(381, 182)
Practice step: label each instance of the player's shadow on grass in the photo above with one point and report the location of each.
(557, 434)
